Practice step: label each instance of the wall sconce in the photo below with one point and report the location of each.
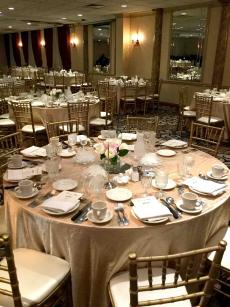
(42, 43)
(74, 41)
(137, 38)
(20, 44)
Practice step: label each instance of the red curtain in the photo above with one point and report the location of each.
(16, 51)
(24, 37)
(48, 35)
(7, 48)
(36, 46)
(64, 46)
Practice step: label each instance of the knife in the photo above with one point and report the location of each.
(80, 216)
(174, 211)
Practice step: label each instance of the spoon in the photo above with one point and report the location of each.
(122, 210)
(172, 203)
(120, 219)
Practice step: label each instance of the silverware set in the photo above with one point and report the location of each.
(121, 217)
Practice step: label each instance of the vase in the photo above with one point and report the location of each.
(111, 167)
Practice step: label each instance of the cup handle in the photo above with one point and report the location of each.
(16, 189)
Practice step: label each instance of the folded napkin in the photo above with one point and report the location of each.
(205, 186)
(19, 174)
(62, 203)
(149, 208)
(127, 136)
(175, 143)
(34, 151)
(150, 159)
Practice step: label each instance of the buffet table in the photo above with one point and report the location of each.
(96, 252)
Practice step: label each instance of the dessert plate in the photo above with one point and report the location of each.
(60, 213)
(119, 194)
(196, 210)
(166, 152)
(19, 194)
(151, 221)
(108, 217)
(65, 184)
(170, 185)
(65, 153)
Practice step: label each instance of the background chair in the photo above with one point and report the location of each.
(62, 128)
(80, 112)
(154, 285)
(204, 111)
(33, 278)
(142, 123)
(156, 86)
(23, 115)
(207, 138)
(144, 96)
(129, 97)
(7, 125)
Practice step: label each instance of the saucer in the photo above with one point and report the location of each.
(170, 185)
(24, 164)
(166, 152)
(210, 175)
(65, 153)
(65, 184)
(60, 213)
(19, 195)
(108, 217)
(196, 210)
(100, 137)
(151, 221)
(119, 194)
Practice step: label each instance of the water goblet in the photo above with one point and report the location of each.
(71, 141)
(83, 142)
(189, 163)
(161, 181)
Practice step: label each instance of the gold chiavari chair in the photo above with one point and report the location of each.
(184, 115)
(4, 108)
(204, 111)
(23, 115)
(48, 283)
(144, 96)
(206, 138)
(79, 79)
(142, 123)
(164, 279)
(79, 111)
(129, 96)
(7, 125)
(6, 90)
(59, 82)
(19, 87)
(62, 128)
(88, 88)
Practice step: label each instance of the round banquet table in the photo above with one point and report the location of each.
(96, 252)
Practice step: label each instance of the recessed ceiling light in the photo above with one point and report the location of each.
(0, 12)
(29, 23)
(99, 29)
(10, 27)
(11, 8)
(64, 18)
(183, 13)
(79, 15)
(124, 5)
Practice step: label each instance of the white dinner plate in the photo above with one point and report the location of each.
(210, 175)
(166, 152)
(24, 164)
(65, 184)
(196, 210)
(61, 213)
(170, 185)
(108, 217)
(175, 144)
(119, 194)
(18, 193)
(206, 194)
(151, 221)
(65, 153)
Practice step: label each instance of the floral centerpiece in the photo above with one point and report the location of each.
(55, 93)
(111, 151)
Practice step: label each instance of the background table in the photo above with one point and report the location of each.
(94, 252)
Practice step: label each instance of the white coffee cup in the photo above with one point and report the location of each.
(99, 210)
(15, 161)
(189, 200)
(218, 170)
(25, 187)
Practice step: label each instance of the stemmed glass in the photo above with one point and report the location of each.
(71, 141)
(161, 181)
(83, 142)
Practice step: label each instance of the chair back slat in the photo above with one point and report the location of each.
(164, 272)
(150, 274)
(177, 270)
(202, 266)
(134, 123)
(189, 268)
(80, 112)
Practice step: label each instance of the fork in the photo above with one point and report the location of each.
(122, 210)
(120, 219)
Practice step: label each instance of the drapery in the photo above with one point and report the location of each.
(48, 35)
(36, 39)
(64, 46)
(24, 37)
(16, 51)
(7, 48)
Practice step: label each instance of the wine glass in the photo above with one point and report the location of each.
(161, 181)
(189, 163)
(71, 141)
(83, 141)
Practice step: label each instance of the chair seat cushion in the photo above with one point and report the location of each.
(213, 120)
(74, 128)
(100, 122)
(119, 288)
(6, 122)
(37, 128)
(226, 258)
(189, 113)
(144, 98)
(38, 275)
(5, 115)
(128, 99)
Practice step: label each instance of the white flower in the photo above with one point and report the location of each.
(123, 146)
(99, 148)
(110, 153)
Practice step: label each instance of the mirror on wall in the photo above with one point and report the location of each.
(101, 47)
(187, 44)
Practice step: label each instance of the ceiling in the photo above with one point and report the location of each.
(38, 14)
